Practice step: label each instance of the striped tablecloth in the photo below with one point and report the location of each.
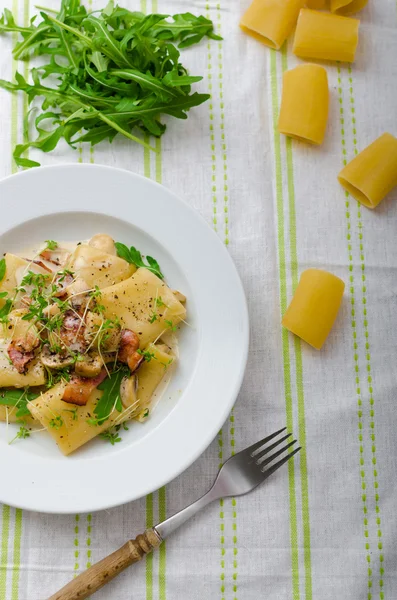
(325, 528)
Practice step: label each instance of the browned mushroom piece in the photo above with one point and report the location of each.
(79, 389)
(128, 388)
(55, 360)
(89, 365)
(128, 351)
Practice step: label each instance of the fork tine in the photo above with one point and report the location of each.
(268, 472)
(257, 445)
(268, 460)
(270, 448)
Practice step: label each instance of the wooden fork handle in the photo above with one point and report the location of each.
(106, 569)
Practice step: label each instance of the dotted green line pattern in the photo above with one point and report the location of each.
(76, 545)
(234, 514)
(367, 349)
(363, 477)
(222, 126)
(88, 542)
(284, 334)
(300, 394)
(214, 190)
(222, 520)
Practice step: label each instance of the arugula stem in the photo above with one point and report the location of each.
(128, 135)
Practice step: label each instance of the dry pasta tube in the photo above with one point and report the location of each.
(347, 7)
(317, 4)
(314, 307)
(304, 103)
(325, 37)
(371, 175)
(271, 21)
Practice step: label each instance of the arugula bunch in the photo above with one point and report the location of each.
(111, 71)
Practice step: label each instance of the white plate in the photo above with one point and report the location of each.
(73, 202)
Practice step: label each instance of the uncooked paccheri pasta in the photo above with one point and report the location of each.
(87, 335)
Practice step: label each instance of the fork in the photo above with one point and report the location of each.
(240, 474)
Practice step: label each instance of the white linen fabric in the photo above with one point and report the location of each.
(324, 527)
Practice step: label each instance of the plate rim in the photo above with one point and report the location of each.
(245, 333)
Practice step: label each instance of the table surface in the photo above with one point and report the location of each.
(326, 527)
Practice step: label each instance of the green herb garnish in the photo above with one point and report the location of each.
(22, 434)
(134, 257)
(170, 325)
(2, 268)
(19, 399)
(5, 311)
(111, 398)
(147, 355)
(56, 422)
(73, 411)
(51, 245)
(114, 72)
(111, 436)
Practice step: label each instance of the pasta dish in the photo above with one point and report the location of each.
(87, 335)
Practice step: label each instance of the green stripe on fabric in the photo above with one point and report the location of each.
(284, 333)
(149, 557)
(298, 360)
(222, 127)
(222, 520)
(214, 191)
(149, 497)
(364, 303)
(5, 530)
(76, 545)
(357, 379)
(88, 541)
(18, 512)
(224, 189)
(17, 554)
(14, 97)
(163, 547)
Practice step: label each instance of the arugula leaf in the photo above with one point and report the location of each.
(134, 257)
(2, 268)
(113, 71)
(111, 398)
(18, 398)
(5, 311)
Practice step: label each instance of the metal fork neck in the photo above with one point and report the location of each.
(170, 525)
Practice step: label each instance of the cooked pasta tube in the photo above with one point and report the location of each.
(324, 36)
(144, 304)
(317, 4)
(347, 7)
(372, 174)
(69, 425)
(98, 268)
(304, 103)
(314, 307)
(149, 376)
(271, 21)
